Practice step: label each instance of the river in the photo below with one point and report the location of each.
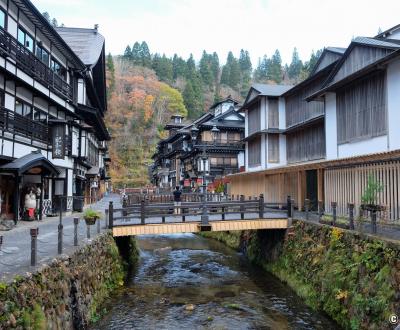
(189, 282)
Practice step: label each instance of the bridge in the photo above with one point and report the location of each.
(152, 217)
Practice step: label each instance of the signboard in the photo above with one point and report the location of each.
(199, 181)
(186, 183)
(58, 140)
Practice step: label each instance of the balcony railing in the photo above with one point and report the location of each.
(17, 124)
(32, 65)
(236, 144)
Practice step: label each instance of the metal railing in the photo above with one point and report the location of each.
(18, 124)
(26, 60)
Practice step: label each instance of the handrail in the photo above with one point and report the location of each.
(16, 123)
(30, 63)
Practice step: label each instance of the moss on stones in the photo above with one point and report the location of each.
(68, 293)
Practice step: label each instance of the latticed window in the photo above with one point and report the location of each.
(273, 148)
(361, 109)
(254, 150)
(254, 119)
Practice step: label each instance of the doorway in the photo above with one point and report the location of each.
(312, 188)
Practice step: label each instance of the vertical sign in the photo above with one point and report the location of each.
(58, 138)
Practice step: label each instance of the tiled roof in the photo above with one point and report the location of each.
(271, 90)
(86, 43)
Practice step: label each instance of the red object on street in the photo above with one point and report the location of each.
(31, 212)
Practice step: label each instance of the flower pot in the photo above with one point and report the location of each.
(90, 221)
(372, 207)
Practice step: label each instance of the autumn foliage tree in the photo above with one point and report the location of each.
(139, 107)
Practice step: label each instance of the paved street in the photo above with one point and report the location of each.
(16, 249)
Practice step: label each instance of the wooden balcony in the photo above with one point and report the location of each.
(14, 123)
(28, 62)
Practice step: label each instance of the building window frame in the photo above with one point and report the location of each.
(22, 35)
(40, 53)
(58, 68)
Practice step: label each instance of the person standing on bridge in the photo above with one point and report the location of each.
(177, 200)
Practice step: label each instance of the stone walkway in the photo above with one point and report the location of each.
(15, 251)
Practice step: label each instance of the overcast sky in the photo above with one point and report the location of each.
(260, 26)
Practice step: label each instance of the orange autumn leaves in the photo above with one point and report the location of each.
(138, 109)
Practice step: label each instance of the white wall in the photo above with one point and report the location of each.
(331, 126)
(369, 146)
(241, 160)
(393, 100)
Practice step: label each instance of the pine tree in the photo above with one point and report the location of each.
(191, 67)
(111, 70)
(295, 66)
(178, 66)
(136, 54)
(215, 67)
(275, 67)
(245, 71)
(234, 74)
(262, 72)
(205, 69)
(128, 53)
(145, 54)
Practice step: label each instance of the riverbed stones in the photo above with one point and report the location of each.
(189, 307)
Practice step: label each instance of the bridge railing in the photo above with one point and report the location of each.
(146, 213)
(135, 198)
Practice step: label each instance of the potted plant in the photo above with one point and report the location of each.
(91, 216)
(369, 199)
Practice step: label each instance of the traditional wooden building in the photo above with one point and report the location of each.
(209, 148)
(52, 103)
(340, 127)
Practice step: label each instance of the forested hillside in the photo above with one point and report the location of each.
(145, 89)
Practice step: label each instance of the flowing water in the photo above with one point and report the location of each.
(189, 282)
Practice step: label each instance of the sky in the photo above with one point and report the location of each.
(259, 26)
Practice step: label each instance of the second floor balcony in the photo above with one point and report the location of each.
(28, 62)
(17, 124)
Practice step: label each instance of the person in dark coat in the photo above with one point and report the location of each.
(177, 200)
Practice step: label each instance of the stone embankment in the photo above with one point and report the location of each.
(353, 277)
(68, 292)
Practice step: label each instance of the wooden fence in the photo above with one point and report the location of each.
(347, 185)
(146, 213)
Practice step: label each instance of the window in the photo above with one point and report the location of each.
(273, 113)
(2, 19)
(58, 68)
(25, 39)
(23, 109)
(273, 148)
(254, 149)
(42, 54)
(361, 109)
(254, 118)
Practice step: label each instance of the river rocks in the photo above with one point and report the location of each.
(189, 307)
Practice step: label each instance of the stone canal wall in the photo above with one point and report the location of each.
(67, 293)
(353, 277)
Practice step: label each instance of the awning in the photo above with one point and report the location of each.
(94, 171)
(33, 163)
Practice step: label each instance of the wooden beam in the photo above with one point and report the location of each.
(320, 179)
(194, 227)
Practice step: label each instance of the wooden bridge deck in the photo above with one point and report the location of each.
(192, 217)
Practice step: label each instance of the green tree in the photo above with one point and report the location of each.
(136, 54)
(295, 66)
(205, 69)
(215, 67)
(245, 71)
(275, 68)
(145, 55)
(128, 53)
(262, 72)
(178, 67)
(111, 75)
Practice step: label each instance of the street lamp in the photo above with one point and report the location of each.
(215, 131)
